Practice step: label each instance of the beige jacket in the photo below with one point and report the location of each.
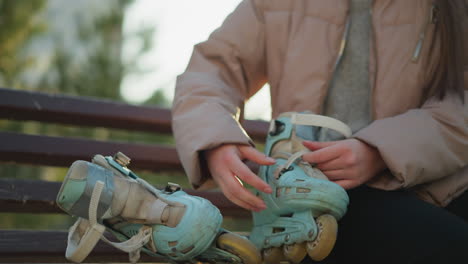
(294, 45)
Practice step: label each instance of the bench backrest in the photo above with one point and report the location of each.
(28, 196)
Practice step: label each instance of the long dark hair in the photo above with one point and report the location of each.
(448, 76)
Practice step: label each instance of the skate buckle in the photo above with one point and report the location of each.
(122, 159)
(276, 128)
(283, 171)
(172, 187)
(114, 162)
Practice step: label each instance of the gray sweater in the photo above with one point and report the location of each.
(348, 95)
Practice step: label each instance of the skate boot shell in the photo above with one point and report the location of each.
(303, 209)
(169, 223)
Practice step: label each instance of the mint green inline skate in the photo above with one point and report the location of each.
(303, 209)
(106, 195)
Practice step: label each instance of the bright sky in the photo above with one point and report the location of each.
(180, 24)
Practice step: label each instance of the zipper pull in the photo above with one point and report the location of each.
(434, 16)
(417, 50)
(432, 20)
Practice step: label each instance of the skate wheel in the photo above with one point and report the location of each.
(321, 247)
(273, 255)
(295, 253)
(240, 247)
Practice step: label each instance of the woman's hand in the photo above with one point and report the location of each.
(348, 163)
(228, 170)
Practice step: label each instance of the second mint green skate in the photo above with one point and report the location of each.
(169, 223)
(303, 209)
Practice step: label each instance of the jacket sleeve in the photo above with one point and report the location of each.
(222, 73)
(421, 145)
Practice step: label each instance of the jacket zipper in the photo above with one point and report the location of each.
(344, 39)
(432, 19)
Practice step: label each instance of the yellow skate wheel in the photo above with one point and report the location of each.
(239, 246)
(321, 247)
(273, 255)
(295, 253)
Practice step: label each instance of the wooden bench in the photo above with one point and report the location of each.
(38, 197)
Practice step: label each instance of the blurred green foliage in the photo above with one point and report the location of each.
(92, 66)
(20, 23)
(96, 72)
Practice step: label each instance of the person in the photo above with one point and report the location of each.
(394, 71)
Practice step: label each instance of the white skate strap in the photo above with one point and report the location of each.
(321, 121)
(294, 157)
(133, 245)
(79, 248)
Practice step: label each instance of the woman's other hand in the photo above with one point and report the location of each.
(348, 163)
(228, 171)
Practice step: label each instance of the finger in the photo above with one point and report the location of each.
(226, 182)
(335, 175)
(256, 156)
(334, 164)
(315, 145)
(322, 155)
(241, 198)
(227, 190)
(245, 174)
(347, 184)
(235, 192)
(243, 204)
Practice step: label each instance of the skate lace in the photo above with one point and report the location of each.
(312, 120)
(292, 159)
(134, 244)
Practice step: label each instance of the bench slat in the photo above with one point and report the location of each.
(87, 111)
(34, 196)
(28, 246)
(60, 151)
(81, 111)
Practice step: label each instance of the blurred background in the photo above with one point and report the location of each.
(122, 50)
